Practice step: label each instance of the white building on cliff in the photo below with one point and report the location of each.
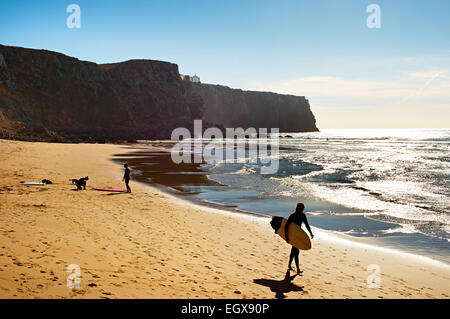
(194, 78)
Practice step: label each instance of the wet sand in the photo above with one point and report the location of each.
(150, 244)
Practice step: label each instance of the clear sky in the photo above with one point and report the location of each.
(397, 75)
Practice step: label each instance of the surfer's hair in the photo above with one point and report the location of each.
(300, 207)
(125, 165)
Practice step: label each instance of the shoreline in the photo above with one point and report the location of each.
(332, 236)
(166, 185)
(345, 239)
(150, 244)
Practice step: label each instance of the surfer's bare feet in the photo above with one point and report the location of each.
(290, 268)
(299, 271)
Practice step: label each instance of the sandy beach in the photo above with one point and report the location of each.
(149, 244)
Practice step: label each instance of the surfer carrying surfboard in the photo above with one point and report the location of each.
(298, 217)
(126, 177)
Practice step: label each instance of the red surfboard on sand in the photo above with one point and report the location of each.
(111, 190)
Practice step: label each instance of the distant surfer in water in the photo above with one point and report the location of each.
(126, 177)
(298, 217)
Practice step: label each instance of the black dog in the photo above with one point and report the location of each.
(81, 183)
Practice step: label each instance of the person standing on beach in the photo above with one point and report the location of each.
(298, 217)
(126, 177)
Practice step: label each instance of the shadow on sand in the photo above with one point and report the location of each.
(280, 287)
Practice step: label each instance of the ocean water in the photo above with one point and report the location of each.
(389, 184)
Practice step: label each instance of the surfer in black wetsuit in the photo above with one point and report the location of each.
(298, 217)
(126, 177)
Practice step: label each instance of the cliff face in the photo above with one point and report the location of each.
(138, 99)
(238, 108)
(47, 95)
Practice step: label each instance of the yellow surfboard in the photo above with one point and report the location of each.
(297, 236)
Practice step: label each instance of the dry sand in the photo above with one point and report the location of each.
(149, 244)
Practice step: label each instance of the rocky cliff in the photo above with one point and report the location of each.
(49, 96)
(238, 108)
(48, 93)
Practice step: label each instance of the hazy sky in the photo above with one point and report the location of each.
(354, 76)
